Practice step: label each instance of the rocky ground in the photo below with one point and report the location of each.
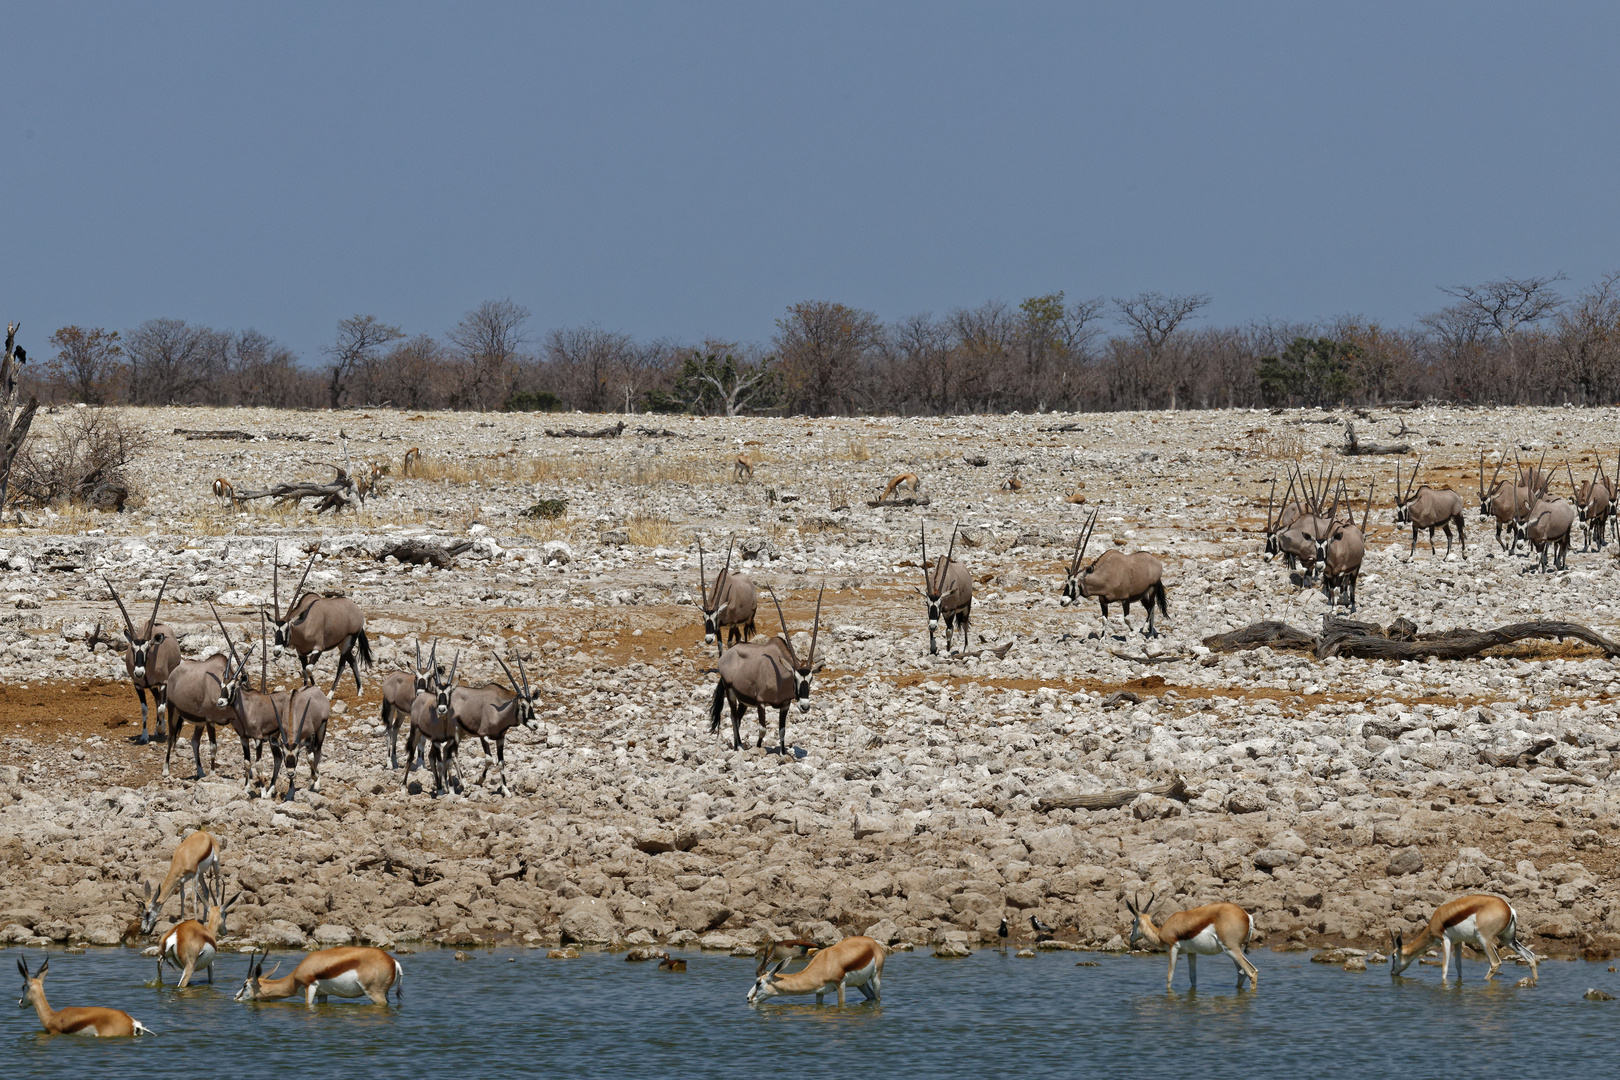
(1334, 799)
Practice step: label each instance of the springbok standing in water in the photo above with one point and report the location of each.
(854, 961)
(350, 971)
(1203, 931)
(1482, 921)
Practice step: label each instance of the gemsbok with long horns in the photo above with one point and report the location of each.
(1485, 922)
(192, 946)
(85, 1020)
(853, 962)
(349, 971)
(948, 592)
(312, 625)
(199, 693)
(433, 718)
(729, 606)
(1115, 578)
(1202, 931)
(765, 675)
(256, 715)
(489, 712)
(149, 656)
(195, 857)
(1428, 508)
(1548, 525)
(309, 709)
(1341, 553)
(1286, 515)
(399, 690)
(1594, 503)
(1504, 501)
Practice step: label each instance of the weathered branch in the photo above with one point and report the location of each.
(1112, 800)
(1353, 448)
(997, 651)
(418, 552)
(1277, 635)
(575, 433)
(1344, 637)
(909, 500)
(229, 435)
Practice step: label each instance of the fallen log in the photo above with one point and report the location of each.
(418, 552)
(575, 433)
(657, 433)
(1277, 635)
(1461, 643)
(997, 651)
(1354, 448)
(909, 500)
(1111, 800)
(230, 435)
(1062, 427)
(338, 494)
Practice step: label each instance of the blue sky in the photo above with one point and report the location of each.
(686, 170)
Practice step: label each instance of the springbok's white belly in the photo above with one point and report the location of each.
(862, 975)
(346, 985)
(1465, 931)
(1205, 943)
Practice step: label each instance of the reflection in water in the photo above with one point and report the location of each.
(988, 1015)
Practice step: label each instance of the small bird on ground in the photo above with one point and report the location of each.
(1040, 927)
(1001, 931)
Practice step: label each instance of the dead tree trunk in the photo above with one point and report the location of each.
(1353, 448)
(1112, 800)
(603, 433)
(15, 418)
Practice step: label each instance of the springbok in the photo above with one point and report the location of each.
(760, 675)
(93, 1020)
(399, 690)
(1428, 508)
(149, 657)
(433, 719)
(1115, 578)
(192, 945)
(1483, 921)
(489, 712)
(413, 460)
(224, 492)
(1594, 502)
(854, 961)
(350, 971)
(948, 593)
(730, 605)
(312, 625)
(1342, 551)
(740, 468)
(897, 483)
(196, 856)
(1203, 931)
(256, 715)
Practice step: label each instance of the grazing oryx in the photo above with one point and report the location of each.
(196, 856)
(1428, 508)
(948, 592)
(1297, 540)
(433, 719)
(400, 689)
(1341, 553)
(1115, 578)
(730, 605)
(348, 972)
(192, 945)
(1203, 931)
(255, 714)
(897, 483)
(224, 492)
(1485, 922)
(760, 675)
(149, 658)
(107, 1023)
(314, 624)
(489, 712)
(854, 961)
(308, 711)
(1594, 502)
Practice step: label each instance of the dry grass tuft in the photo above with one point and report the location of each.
(651, 530)
(1281, 446)
(857, 450)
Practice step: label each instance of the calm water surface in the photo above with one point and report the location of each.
(517, 1013)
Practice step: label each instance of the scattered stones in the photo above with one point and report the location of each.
(1403, 862)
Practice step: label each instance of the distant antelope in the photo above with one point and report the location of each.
(399, 690)
(1342, 552)
(1203, 931)
(433, 719)
(107, 1023)
(1115, 578)
(948, 593)
(1548, 525)
(740, 468)
(366, 483)
(897, 483)
(730, 605)
(312, 625)
(1482, 921)
(853, 962)
(1506, 502)
(348, 972)
(489, 712)
(765, 675)
(149, 657)
(413, 461)
(1594, 502)
(196, 856)
(192, 946)
(1428, 508)
(224, 492)
(1012, 483)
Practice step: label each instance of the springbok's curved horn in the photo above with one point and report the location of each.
(815, 628)
(703, 586)
(128, 625)
(787, 637)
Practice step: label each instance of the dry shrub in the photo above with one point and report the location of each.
(857, 450)
(1282, 446)
(479, 470)
(651, 530)
(84, 461)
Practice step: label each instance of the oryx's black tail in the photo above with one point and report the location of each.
(717, 706)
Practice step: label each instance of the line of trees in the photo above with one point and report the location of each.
(1508, 341)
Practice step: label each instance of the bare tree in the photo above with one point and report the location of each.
(359, 338)
(170, 360)
(1507, 304)
(586, 359)
(15, 417)
(416, 372)
(490, 339)
(822, 347)
(1155, 317)
(88, 363)
(265, 372)
(1588, 339)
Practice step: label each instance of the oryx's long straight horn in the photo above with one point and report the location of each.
(1366, 511)
(298, 592)
(275, 582)
(128, 625)
(158, 602)
(923, 530)
(815, 628)
(787, 637)
(703, 585)
(1271, 500)
(509, 676)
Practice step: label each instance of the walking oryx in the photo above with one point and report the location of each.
(948, 592)
(400, 689)
(314, 624)
(308, 711)
(489, 712)
(152, 653)
(1287, 514)
(1342, 551)
(730, 605)
(1115, 578)
(1504, 501)
(433, 719)
(255, 714)
(769, 674)
(1594, 502)
(1428, 508)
